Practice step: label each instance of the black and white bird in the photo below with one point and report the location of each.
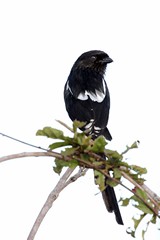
(87, 99)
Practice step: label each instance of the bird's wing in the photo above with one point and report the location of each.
(97, 95)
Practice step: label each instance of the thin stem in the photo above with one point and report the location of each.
(49, 202)
(20, 141)
(31, 154)
(141, 187)
(65, 125)
(86, 164)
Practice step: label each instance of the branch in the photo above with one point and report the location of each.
(88, 164)
(76, 156)
(65, 125)
(141, 187)
(20, 141)
(62, 183)
(32, 154)
(80, 173)
(151, 193)
(153, 197)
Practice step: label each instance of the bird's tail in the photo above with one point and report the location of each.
(111, 203)
(107, 134)
(110, 199)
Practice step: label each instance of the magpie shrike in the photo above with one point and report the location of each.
(87, 99)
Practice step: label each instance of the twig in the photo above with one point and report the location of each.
(31, 154)
(76, 176)
(20, 141)
(151, 193)
(65, 125)
(154, 210)
(90, 165)
(86, 164)
(62, 183)
(157, 207)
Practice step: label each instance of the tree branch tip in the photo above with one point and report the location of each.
(64, 125)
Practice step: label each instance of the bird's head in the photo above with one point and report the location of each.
(96, 60)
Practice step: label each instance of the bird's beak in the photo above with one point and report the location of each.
(107, 60)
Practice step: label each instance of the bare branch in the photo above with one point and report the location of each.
(65, 125)
(20, 141)
(49, 202)
(31, 154)
(151, 193)
(88, 164)
(141, 187)
(80, 173)
(62, 183)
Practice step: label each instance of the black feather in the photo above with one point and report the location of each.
(87, 99)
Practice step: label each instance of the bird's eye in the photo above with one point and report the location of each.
(93, 58)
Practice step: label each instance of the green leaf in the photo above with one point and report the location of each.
(140, 205)
(77, 124)
(139, 169)
(144, 231)
(111, 183)
(143, 234)
(69, 151)
(113, 155)
(125, 202)
(134, 145)
(98, 145)
(116, 173)
(144, 208)
(81, 139)
(141, 181)
(141, 193)
(125, 164)
(137, 178)
(59, 164)
(136, 224)
(51, 133)
(85, 157)
(99, 180)
(137, 221)
(58, 145)
(131, 232)
(73, 163)
(154, 219)
(85, 141)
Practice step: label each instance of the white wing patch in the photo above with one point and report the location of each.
(68, 88)
(83, 96)
(98, 96)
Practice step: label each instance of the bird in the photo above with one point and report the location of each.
(87, 99)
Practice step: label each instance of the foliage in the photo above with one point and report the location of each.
(80, 150)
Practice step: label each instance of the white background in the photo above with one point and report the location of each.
(39, 42)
